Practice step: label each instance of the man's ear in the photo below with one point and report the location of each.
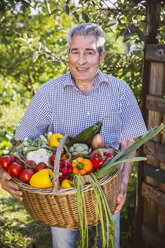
(67, 52)
(102, 56)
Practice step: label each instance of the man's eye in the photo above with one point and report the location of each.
(89, 53)
(74, 52)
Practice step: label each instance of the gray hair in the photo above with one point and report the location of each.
(88, 29)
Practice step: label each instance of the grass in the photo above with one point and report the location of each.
(18, 229)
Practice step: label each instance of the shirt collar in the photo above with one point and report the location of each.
(69, 80)
(100, 77)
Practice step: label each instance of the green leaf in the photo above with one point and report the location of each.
(25, 36)
(85, 16)
(23, 49)
(35, 57)
(22, 40)
(76, 15)
(67, 9)
(140, 34)
(109, 169)
(35, 40)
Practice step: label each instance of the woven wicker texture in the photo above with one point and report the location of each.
(58, 207)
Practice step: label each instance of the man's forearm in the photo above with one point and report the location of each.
(128, 166)
(126, 173)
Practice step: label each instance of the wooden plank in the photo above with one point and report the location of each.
(153, 21)
(155, 149)
(161, 210)
(152, 238)
(155, 52)
(152, 29)
(157, 77)
(156, 87)
(153, 194)
(155, 173)
(155, 103)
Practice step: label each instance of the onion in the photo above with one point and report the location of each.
(97, 141)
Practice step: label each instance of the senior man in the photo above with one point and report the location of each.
(76, 100)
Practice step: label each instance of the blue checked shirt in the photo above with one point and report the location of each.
(60, 107)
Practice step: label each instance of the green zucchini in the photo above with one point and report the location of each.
(86, 135)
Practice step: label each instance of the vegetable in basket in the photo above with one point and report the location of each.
(82, 166)
(55, 139)
(40, 166)
(97, 141)
(26, 175)
(5, 162)
(86, 135)
(79, 149)
(28, 145)
(100, 158)
(15, 169)
(42, 179)
(40, 155)
(66, 184)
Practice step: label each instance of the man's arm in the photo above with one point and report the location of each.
(126, 173)
(7, 184)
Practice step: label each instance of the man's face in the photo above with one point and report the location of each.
(84, 58)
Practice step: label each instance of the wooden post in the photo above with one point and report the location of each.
(152, 29)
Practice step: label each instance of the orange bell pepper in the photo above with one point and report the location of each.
(82, 166)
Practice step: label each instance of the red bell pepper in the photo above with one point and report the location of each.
(99, 158)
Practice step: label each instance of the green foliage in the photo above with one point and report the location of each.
(17, 228)
(11, 116)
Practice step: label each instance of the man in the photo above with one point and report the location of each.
(76, 100)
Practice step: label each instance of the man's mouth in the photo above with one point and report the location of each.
(81, 69)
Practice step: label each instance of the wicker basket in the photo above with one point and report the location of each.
(58, 207)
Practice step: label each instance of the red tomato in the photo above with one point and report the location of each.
(64, 171)
(41, 166)
(31, 162)
(17, 159)
(15, 169)
(26, 174)
(51, 159)
(5, 162)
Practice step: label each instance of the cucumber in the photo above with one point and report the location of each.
(86, 135)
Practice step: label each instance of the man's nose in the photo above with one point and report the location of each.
(82, 58)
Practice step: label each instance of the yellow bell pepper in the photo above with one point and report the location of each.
(42, 179)
(67, 184)
(55, 139)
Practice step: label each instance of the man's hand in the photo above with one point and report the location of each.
(126, 173)
(9, 186)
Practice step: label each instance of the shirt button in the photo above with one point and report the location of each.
(88, 113)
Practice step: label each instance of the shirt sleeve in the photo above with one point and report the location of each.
(133, 125)
(36, 119)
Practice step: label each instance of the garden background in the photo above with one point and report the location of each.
(32, 51)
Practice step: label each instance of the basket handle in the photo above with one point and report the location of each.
(56, 183)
